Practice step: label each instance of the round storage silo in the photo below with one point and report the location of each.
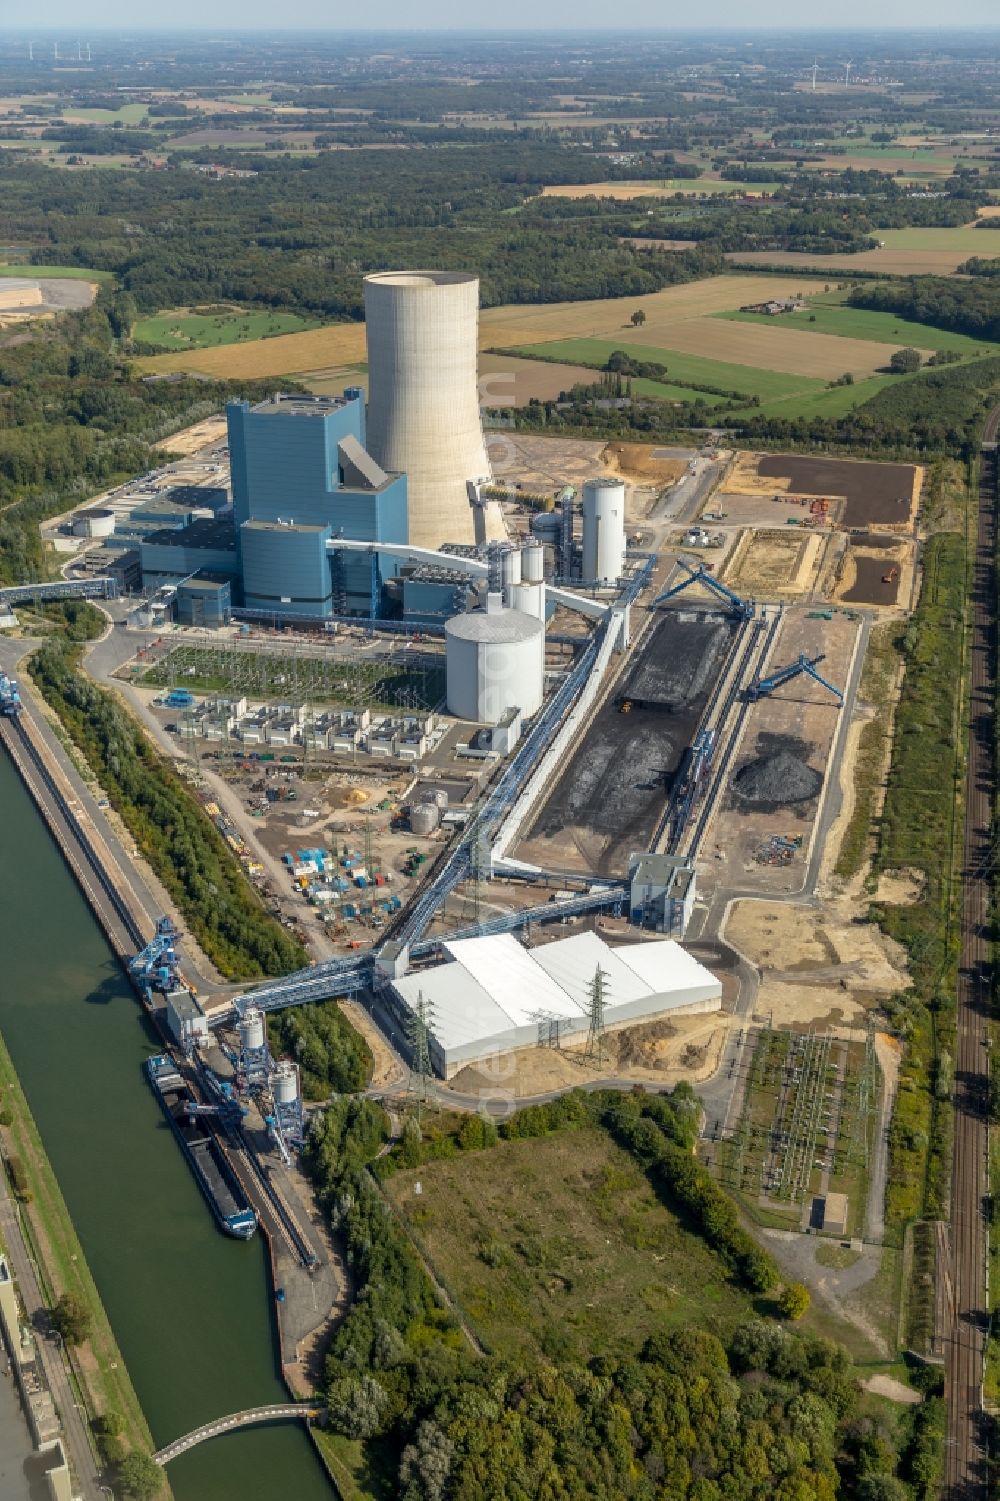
(436, 795)
(530, 599)
(495, 662)
(510, 568)
(252, 1031)
(285, 1084)
(603, 531)
(533, 563)
(546, 526)
(424, 818)
(98, 522)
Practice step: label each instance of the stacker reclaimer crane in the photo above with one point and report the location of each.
(700, 575)
(156, 965)
(763, 686)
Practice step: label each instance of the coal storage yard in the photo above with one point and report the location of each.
(609, 799)
(778, 776)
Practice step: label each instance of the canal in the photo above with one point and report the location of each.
(190, 1308)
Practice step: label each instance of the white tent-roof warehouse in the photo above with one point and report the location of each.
(493, 995)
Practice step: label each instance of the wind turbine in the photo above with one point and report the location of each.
(847, 71)
(79, 53)
(55, 52)
(31, 52)
(815, 70)
(88, 52)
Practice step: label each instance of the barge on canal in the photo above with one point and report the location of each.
(216, 1178)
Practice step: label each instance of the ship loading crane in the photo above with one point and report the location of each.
(805, 665)
(10, 698)
(743, 609)
(156, 967)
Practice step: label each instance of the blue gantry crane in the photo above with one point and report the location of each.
(10, 698)
(743, 608)
(761, 687)
(156, 967)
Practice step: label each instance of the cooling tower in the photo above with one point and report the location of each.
(423, 404)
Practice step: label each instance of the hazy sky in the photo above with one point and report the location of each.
(240, 15)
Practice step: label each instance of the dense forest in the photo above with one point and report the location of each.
(333, 1057)
(760, 1412)
(964, 307)
(185, 850)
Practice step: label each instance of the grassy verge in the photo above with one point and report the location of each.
(183, 847)
(921, 827)
(881, 665)
(99, 1368)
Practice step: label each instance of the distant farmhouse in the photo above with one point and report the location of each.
(775, 306)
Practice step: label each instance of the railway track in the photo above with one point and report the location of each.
(965, 1454)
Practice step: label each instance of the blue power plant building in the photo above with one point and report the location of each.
(301, 478)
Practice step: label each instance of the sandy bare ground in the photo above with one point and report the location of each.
(190, 439)
(658, 1052)
(888, 1386)
(388, 1069)
(817, 965)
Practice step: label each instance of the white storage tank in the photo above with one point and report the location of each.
(495, 661)
(510, 568)
(285, 1084)
(424, 818)
(98, 522)
(252, 1031)
(533, 563)
(529, 598)
(603, 531)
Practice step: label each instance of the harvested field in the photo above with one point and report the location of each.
(504, 327)
(506, 381)
(611, 794)
(876, 494)
(793, 351)
(902, 261)
(766, 564)
(691, 186)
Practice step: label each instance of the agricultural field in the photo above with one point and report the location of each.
(906, 252)
(55, 273)
(690, 186)
(125, 114)
(506, 327)
(685, 368)
(194, 329)
(561, 1237)
(856, 324)
(770, 346)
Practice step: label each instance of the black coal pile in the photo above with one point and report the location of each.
(776, 780)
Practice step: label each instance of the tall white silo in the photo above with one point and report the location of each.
(603, 531)
(423, 402)
(495, 661)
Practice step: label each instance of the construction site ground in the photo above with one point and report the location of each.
(546, 465)
(872, 573)
(774, 564)
(797, 723)
(872, 494)
(660, 1052)
(609, 798)
(819, 967)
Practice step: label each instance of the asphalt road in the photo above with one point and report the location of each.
(965, 1462)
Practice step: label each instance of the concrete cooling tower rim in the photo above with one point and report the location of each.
(421, 280)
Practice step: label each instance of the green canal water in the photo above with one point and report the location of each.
(190, 1308)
